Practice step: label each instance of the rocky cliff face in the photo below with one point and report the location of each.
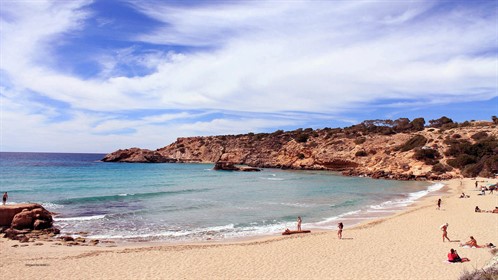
(419, 154)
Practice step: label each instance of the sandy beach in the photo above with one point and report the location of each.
(407, 245)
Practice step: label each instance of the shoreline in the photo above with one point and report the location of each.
(391, 206)
(401, 246)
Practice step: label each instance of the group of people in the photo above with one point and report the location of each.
(472, 243)
(340, 226)
(478, 210)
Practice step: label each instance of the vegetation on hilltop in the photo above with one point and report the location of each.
(398, 149)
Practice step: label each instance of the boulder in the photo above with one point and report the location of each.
(42, 224)
(23, 220)
(7, 212)
(227, 166)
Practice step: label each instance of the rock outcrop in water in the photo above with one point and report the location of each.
(397, 149)
(229, 166)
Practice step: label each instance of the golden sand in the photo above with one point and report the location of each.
(407, 245)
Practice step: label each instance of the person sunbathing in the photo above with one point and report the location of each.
(495, 210)
(454, 257)
(471, 243)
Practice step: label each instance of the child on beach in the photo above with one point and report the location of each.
(454, 257)
(4, 198)
(299, 221)
(339, 232)
(444, 228)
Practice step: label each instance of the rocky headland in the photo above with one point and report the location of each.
(399, 149)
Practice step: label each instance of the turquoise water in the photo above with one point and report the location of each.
(191, 202)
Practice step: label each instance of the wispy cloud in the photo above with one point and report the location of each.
(255, 62)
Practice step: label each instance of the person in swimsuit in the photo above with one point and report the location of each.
(299, 221)
(439, 204)
(454, 257)
(339, 232)
(4, 198)
(471, 243)
(444, 228)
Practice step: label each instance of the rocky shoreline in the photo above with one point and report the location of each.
(400, 150)
(31, 223)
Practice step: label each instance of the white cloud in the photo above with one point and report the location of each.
(262, 57)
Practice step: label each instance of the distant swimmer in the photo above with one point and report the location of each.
(5, 196)
(444, 228)
(339, 232)
(299, 221)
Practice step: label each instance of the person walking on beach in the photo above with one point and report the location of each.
(4, 199)
(339, 232)
(439, 204)
(444, 228)
(299, 221)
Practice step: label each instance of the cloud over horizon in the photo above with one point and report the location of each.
(77, 77)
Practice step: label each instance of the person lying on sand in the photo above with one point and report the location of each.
(463, 195)
(454, 257)
(477, 209)
(471, 243)
(495, 210)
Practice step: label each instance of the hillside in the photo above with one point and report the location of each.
(397, 149)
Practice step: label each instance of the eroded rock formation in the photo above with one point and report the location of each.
(366, 150)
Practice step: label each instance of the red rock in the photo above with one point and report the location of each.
(7, 212)
(42, 224)
(23, 220)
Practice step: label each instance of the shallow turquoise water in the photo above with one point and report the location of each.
(191, 202)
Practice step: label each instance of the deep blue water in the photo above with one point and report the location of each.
(191, 202)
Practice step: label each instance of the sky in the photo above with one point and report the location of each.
(97, 76)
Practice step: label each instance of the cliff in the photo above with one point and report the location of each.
(403, 150)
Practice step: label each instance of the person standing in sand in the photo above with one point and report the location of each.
(339, 232)
(4, 198)
(299, 221)
(444, 228)
(439, 204)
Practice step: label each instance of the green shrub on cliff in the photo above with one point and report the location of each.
(429, 156)
(478, 159)
(414, 142)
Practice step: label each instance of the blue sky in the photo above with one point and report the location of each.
(96, 76)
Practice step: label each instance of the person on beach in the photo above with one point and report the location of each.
(444, 228)
(476, 184)
(477, 209)
(471, 243)
(439, 204)
(339, 232)
(495, 210)
(4, 198)
(299, 221)
(454, 257)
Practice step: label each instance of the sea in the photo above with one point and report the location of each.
(183, 202)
